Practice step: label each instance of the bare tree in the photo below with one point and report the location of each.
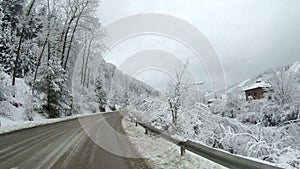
(284, 86)
(93, 45)
(178, 89)
(50, 22)
(82, 8)
(18, 50)
(79, 14)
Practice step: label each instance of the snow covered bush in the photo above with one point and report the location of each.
(233, 104)
(284, 87)
(13, 108)
(288, 158)
(197, 123)
(254, 105)
(255, 111)
(153, 112)
(267, 112)
(274, 115)
(291, 112)
(250, 117)
(231, 136)
(271, 115)
(266, 143)
(227, 107)
(218, 107)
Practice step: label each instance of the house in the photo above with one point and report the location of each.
(257, 90)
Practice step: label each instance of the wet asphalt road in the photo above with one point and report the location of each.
(64, 145)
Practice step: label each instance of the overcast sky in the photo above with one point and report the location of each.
(249, 36)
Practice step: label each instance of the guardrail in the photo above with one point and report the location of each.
(223, 158)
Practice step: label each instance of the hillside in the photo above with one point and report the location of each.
(111, 85)
(266, 76)
(116, 85)
(263, 129)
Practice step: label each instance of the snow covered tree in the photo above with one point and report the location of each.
(92, 46)
(101, 94)
(10, 13)
(178, 91)
(175, 95)
(77, 14)
(52, 84)
(285, 90)
(33, 35)
(233, 104)
(18, 38)
(27, 18)
(125, 99)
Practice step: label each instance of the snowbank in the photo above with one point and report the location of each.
(12, 108)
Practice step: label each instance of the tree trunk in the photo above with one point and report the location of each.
(87, 60)
(39, 60)
(73, 33)
(20, 45)
(70, 46)
(88, 81)
(65, 35)
(83, 61)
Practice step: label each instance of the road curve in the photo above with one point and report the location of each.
(62, 145)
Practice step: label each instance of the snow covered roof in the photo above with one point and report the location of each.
(258, 85)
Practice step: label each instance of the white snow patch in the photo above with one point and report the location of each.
(15, 126)
(12, 108)
(178, 137)
(258, 85)
(165, 155)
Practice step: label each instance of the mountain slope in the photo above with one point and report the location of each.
(266, 76)
(116, 88)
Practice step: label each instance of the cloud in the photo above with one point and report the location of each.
(250, 36)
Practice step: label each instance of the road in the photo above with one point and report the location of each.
(63, 145)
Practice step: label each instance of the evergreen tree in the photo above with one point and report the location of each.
(8, 34)
(52, 83)
(125, 99)
(101, 94)
(12, 21)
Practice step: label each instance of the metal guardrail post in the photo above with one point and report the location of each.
(182, 150)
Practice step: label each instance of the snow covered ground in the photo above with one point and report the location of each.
(164, 155)
(13, 109)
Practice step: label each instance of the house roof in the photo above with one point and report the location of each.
(258, 85)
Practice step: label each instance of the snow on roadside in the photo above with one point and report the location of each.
(167, 156)
(12, 108)
(15, 126)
